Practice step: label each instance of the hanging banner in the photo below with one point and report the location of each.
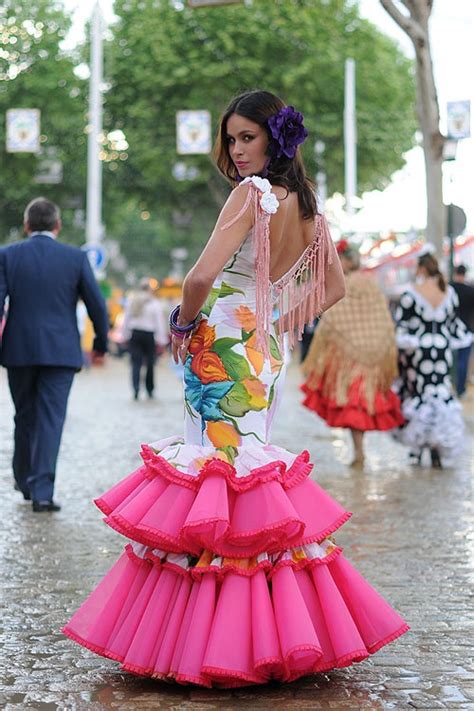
(459, 119)
(49, 169)
(211, 3)
(23, 131)
(193, 132)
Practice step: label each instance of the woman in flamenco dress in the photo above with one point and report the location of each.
(230, 577)
(428, 330)
(352, 361)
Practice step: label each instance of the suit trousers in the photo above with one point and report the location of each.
(40, 394)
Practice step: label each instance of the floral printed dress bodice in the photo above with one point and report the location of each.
(233, 380)
(231, 389)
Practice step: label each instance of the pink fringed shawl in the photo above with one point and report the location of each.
(299, 294)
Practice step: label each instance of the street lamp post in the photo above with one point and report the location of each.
(350, 137)
(321, 179)
(449, 155)
(94, 164)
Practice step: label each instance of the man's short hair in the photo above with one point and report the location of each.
(460, 270)
(42, 214)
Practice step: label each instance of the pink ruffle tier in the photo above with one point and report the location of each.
(233, 538)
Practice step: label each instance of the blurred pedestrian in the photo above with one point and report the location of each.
(352, 360)
(306, 338)
(427, 331)
(40, 345)
(147, 331)
(465, 311)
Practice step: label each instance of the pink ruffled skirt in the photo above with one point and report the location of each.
(230, 578)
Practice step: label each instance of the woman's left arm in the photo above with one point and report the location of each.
(223, 243)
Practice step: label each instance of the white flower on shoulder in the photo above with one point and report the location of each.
(269, 203)
(262, 184)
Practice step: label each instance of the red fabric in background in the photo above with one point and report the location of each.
(354, 414)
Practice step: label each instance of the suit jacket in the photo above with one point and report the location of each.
(44, 280)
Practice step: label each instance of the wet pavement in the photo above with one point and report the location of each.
(411, 535)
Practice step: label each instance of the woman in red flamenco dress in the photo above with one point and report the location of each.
(352, 361)
(230, 577)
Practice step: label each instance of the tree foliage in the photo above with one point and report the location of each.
(35, 73)
(164, 57)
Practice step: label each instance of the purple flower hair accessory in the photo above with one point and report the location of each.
(288, 132)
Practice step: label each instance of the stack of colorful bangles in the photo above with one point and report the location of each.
(182, 331)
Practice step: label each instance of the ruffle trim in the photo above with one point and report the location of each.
(354, 414)
(273, 508)
(434, 423)
(272, 471)
(234, 630)
(195, 567)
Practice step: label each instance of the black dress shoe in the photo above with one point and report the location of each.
(42, 506)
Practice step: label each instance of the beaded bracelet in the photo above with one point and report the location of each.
(181, 331)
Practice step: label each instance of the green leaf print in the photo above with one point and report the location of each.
(271, 395)
(246, 335)
(237, 401)
(224, 344)
(274, 349)
(210, 301)
(227, 290)
(230, 452)
(235, 365)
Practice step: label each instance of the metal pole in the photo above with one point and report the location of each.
(350, 137)
(321, 179)
(452, 238)
(94, 165)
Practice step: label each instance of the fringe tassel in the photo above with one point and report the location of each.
(302, 292)
(263, 297)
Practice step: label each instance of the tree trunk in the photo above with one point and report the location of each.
(416, 26)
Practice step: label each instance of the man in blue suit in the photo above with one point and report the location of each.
(40, 345)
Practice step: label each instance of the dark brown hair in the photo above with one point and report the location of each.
(258, 106)
(42, 214)
(430, 264)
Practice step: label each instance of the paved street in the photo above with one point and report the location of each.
(411, 535)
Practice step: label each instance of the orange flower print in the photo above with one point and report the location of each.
(257, 392)
(203, 337)
(246, 318)
(208, 367)
(275, 364)
(255, 356)
(223, 434)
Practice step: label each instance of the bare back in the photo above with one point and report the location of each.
(290, 234)
(431, 292)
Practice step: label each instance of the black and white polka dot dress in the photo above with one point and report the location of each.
(425, 338)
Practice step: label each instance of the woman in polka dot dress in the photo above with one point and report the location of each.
(427, 331)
